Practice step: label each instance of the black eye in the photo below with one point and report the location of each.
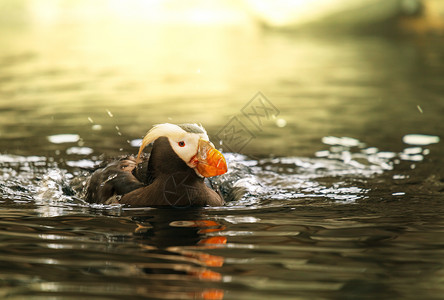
(181, 144)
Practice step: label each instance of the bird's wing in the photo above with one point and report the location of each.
(116, 178)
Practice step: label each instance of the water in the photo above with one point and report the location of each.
(340, 199)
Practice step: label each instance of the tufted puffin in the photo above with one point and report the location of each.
(171, 175)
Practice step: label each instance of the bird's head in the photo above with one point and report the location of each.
(191, 144)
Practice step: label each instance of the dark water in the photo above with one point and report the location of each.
(341, 202)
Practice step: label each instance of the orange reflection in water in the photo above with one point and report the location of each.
(213, 294)
(209, 260)
(195, 255)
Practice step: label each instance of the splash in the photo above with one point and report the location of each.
(334, 174)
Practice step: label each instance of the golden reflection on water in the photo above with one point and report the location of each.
(67, 64)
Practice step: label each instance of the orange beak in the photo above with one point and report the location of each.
(210, 161)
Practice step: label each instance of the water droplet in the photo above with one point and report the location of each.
(136, 143)
(323, 153)
(398, 194)
(83, 163)
(386, 154)
(343, 141)
(420, 139)
(79, 151)
(415, 157)
(63, 138)
(96, 127)
(371, 150)
(281, 122)
(412, 150)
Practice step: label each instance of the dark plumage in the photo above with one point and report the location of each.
(159, 179)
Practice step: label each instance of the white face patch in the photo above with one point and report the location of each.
(185, 145)
(183, 142)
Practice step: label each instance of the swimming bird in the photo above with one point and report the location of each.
(171, 175)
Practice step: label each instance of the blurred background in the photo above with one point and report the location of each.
(107, 70)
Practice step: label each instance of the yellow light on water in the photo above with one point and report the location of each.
(191, 12)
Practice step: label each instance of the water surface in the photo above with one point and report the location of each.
(341, 201)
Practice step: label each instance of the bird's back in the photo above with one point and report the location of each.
(117, 178)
